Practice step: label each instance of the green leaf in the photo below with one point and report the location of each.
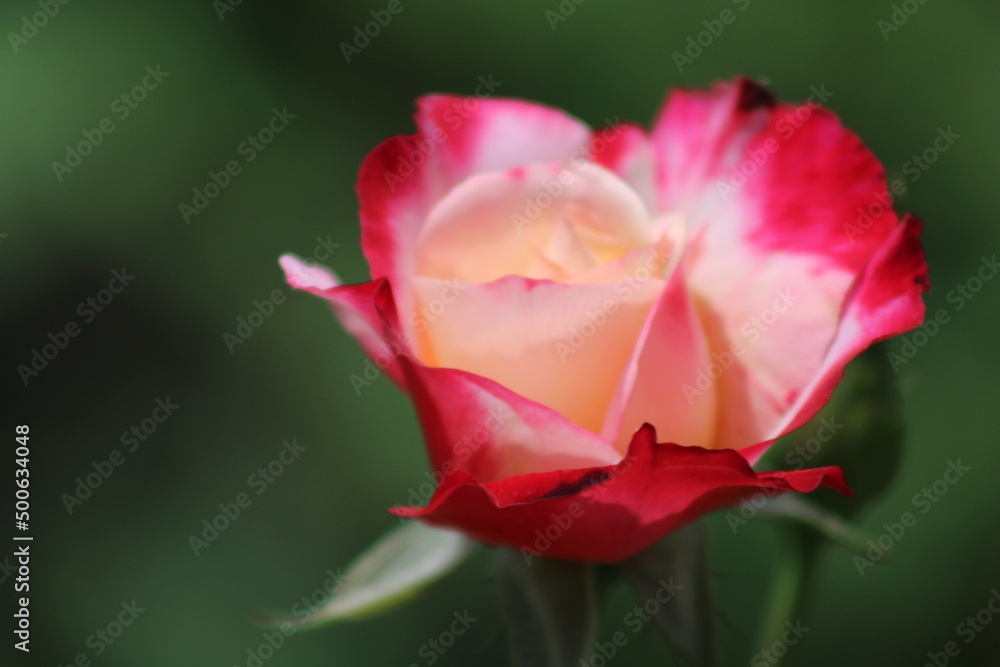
(399, 566)
(551, 609)
(678, 566)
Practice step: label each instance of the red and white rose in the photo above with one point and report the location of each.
(603, 331)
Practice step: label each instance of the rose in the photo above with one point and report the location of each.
(548, 296)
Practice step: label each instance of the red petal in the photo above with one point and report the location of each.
(606, 514)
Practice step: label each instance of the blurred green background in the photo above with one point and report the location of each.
(229, 65)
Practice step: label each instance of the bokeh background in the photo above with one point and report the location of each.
(230, 65)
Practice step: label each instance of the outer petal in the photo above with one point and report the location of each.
(610, 513)
(366, 311)
(477, 426)
(776, 192)
(884, 301)
(403, 177)
(469, 129)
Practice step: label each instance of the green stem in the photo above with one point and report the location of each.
(794, 566)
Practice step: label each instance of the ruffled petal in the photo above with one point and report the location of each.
(606, 514)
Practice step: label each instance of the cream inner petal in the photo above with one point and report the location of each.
(549, 221)
(541, 279)
(563, 346)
